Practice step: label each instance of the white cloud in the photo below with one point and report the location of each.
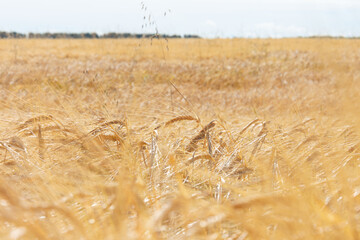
(270, 29)
(346, 3)
(210, 23)
(324, 3)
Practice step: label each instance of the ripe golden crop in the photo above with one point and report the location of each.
(179, 139)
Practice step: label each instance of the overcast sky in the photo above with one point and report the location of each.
(208, 18)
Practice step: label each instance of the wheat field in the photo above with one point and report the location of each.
(180, 139)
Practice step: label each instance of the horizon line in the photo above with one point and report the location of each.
(120, 35)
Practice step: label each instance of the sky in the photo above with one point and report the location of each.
(207, 18)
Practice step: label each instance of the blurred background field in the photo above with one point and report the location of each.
(179, 139)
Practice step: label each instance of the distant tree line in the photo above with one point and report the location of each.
(12, 35)
(90, 35)
(327, 36)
